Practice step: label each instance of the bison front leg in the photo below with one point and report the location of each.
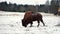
(38, 23)
(31, 24)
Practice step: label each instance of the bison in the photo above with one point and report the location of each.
(29, 17)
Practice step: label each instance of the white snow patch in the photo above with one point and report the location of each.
(12, 25)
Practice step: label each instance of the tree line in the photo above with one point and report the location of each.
(53, 8)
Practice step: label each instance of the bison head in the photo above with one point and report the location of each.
(24, 23)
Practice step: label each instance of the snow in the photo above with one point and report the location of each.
(10, 23)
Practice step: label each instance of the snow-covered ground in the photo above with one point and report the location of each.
(10, 23)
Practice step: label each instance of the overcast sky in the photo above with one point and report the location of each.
(30, 2)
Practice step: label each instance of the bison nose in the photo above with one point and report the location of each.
(24, 25)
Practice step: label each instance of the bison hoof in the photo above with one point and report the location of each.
(30, 26)
(43, 25)
(37, 26)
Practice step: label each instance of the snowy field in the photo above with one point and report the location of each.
(10, 23)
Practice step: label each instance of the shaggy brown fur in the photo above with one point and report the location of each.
(29, 17)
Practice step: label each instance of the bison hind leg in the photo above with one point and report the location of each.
(43, 22)
(38, 23)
